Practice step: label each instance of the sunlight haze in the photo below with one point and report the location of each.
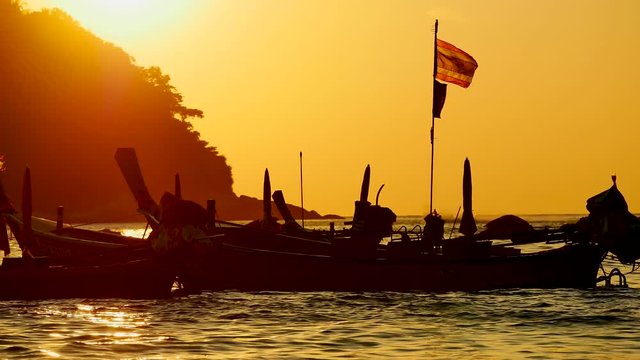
(550, 115)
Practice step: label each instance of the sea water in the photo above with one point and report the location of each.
(601, 323)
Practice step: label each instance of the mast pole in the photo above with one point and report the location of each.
(301, 193)
(433, 122)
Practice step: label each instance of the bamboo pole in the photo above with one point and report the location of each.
(301, 193)
(433, 122)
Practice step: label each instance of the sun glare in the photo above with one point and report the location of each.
(123, 20)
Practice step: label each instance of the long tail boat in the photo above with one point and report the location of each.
(251, 269)
(78, 264)
(44, 237)
(359, 260)
(172, 212)
(286, 257)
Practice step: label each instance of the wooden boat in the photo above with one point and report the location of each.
(79, 263)
(44, 237)
(173, 213)
(213, 255)
(250, 269)
(83, 269)
(48, 240)
(356, 261)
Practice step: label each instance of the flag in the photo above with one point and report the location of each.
(454, 65)
(439, 95)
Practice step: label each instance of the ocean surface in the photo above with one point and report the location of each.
(600, 323)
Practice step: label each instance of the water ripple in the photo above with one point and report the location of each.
(504, 324)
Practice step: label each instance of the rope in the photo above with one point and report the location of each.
(454, 222)
(146, 227)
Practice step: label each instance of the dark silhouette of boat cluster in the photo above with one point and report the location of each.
(189, 246)
(68, 262)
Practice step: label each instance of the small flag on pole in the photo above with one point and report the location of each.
(454, 65)
(439, 95)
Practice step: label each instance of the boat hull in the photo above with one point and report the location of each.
(47, 240)
(231, 267)
(29, 279)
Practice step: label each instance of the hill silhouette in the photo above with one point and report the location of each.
(68, 99)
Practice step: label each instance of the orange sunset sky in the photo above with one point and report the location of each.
(552, 111)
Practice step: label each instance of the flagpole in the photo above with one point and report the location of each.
(433, 122)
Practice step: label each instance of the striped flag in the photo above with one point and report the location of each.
(454, 65)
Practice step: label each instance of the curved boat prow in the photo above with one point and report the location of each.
(27, 210)
(266, 200)
(4, 237)
(364, 189)
(467, 223)
(289, 222)
(5, 203)
(130, 167)
(5, 208)
(362, 204)
(177, 187)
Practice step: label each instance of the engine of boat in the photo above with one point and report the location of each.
(379, 221)
(182, 221)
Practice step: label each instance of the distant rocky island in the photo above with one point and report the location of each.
(68, 100)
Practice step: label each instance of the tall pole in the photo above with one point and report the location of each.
(433, 122)
(301, 193)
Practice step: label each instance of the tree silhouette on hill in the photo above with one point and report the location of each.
(68, 100)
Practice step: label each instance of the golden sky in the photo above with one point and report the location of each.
(552, 111)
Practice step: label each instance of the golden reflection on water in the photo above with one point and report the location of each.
(50, 353)
(121, 322)
(111, 317)
(102, 325)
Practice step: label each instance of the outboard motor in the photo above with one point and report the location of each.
(371, 223)
(379, 221)
(374, 223)
(182, 221)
